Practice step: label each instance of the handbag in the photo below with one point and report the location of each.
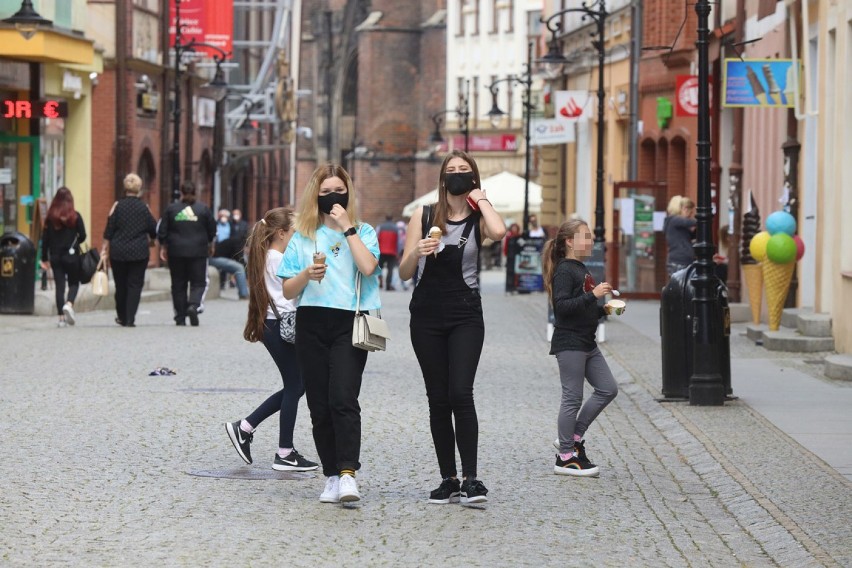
(100, 280)
(368, 332)
(89, 261)
(286, 323)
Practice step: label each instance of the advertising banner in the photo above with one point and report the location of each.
(484, 143)
(523, 265)
(572, 105)
(686, 95)
(206, 21)
(760, 83)
(545, 131)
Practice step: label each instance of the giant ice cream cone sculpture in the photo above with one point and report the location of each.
(751, 269)
(777, 278)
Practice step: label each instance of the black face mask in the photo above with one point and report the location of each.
(326, 202)
(459, 184)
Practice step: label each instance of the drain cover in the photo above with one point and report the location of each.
(251, 473)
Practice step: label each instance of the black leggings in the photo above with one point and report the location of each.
(287, 399)
(129, 279)
(67, 267)
(447, 337)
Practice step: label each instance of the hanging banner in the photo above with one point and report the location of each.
(760, 83)
(547, 131)
(686, 95)
(572, 105)
(206, 21)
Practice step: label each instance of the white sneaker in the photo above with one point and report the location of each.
(331, 493)
(348, 489)
(61, 323)
(68, 310)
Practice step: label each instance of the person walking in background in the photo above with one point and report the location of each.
(535, 229)
(574, 296)
(388, 250)
(186, 232)
(129, 233)
(447, 329)
(330, 249)
(64, 230)
(679, 228)
(268, 311)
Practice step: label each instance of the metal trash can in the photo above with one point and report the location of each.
(677, 317)
(17, 274)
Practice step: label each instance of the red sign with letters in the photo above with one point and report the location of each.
(33, 109)
(206, 21)
(485, 143)
(686, 95)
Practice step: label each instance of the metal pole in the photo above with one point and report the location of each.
(599, 200)
(635, 58)
(528, 149)
(705, 385)
(176, 110)
(466, 115)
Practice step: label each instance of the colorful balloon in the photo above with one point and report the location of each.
(781, 222)
(757, 247)
(781, 248)
(800, 247)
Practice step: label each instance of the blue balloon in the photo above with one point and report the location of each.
(781, 222)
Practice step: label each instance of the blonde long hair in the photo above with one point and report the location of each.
(309, 219)
(555, 250)
(258, 243)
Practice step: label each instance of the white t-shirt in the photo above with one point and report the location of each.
(275, 286)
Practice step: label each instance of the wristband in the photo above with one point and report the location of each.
(349, 232)
(483, 199)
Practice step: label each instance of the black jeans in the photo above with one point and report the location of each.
(67, 267)
(332, 369)
(129, 280)
(447, 335)
(190, 270)
(287, 399)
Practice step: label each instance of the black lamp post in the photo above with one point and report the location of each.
(496, 115)
(553, 61)
(216, 89)
(706, 387)
(463, 113)
(27, 20)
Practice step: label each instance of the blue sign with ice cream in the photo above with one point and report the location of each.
(760, 83)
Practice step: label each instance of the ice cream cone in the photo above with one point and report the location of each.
(776, 278)
(435, 233)
(753, 274)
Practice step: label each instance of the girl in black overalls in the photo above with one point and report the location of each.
(447, 330)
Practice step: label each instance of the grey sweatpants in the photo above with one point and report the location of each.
(574, 366)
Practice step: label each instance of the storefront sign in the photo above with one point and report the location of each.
(549, 131)
(206, 21)
(686, 95)
(33, 109)
(572, 105)
(760, 82)
(485, 143)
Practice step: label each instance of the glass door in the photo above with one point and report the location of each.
(639, 215)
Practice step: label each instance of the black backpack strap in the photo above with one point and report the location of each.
(426, 220)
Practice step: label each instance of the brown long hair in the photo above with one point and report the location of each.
(309, 220)
(441, 210)
(61, 212)
(555, 250)
(259, 240)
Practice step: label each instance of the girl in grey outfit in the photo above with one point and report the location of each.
(574, 296)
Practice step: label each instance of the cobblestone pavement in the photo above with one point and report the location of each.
(99, 455)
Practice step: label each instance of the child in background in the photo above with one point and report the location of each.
(574, 297)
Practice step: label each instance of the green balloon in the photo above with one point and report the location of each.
(781, 248)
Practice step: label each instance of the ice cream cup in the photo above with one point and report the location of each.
(616, 307)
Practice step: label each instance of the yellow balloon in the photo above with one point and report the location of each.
(757, 247)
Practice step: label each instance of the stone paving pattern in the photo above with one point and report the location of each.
(98, 456)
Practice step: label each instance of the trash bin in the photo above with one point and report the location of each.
(677, 316)
(17, 274)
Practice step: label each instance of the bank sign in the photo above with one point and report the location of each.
(548, 131)
(767, 83)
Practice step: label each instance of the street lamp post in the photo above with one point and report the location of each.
(462, 112)
(217, 89)
(554, 60)
(496, 115)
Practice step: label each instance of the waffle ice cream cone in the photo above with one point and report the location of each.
(753, 274)
(435, 233)
(776, 278)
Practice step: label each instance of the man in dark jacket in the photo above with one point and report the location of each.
(186, 233)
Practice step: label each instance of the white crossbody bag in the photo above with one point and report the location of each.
(368, 332)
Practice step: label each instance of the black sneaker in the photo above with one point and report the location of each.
(576, 467)
(473, 491)
(448, 492)
(293, 462)
(580, 449)
(240, 439)
(192, 312)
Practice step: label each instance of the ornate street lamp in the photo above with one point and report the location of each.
(496, 116)
(462, 112)
(27, 20)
